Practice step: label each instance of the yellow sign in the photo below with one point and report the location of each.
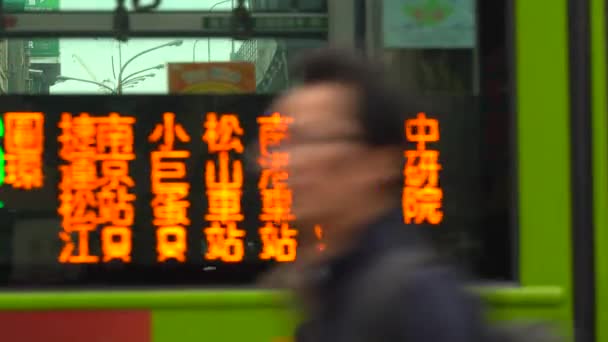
(212, 78)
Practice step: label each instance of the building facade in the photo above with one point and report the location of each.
(271, 56)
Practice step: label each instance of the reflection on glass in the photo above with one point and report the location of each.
(170, 5)
(436, 65)
(166, 5)
(147, 66)
(109, 66)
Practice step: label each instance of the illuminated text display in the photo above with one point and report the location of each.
(23, 134)
(195, 189)
(422, 194)
(96, 188)
(170, 190)
(278, 237)
(224, 184)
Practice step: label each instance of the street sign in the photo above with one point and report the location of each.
(13, 5)
(215, 77)
(41, 5)
(43, 47)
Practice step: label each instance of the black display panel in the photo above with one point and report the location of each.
(95, 156)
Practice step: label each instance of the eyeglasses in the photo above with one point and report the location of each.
(252, 152)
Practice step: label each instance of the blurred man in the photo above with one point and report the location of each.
(346, 157)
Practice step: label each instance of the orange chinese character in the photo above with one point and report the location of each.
(116, 244)
(278, 160)
(273, 130)
(69, 247)
(24, 144)
(279, 244)
(82, 174)
(224, 205)
(77, 136)
(220, 135)
(165, 170)
(420, 205)
(224, 194)
(422, 130)
(273, 179)
(115, 137)
(83, 204)
(224, 243)
(168, 131)
(171, 244)
(115, 173)
(171, 208)
(287, 244)
(276, 205)
(24, 170)
(422, 167)
(276, 197)
(116, 206)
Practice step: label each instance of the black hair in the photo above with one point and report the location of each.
(381, 111)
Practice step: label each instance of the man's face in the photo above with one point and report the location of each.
(331, 171)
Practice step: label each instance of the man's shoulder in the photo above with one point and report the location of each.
(415, 273)
(401, 297)
(418, 274)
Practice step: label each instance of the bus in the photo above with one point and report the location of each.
(124, 123)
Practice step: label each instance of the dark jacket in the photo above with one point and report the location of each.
(433, 307)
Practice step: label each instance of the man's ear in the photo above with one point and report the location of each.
(392, 160)
(390, 165)
(387, 165)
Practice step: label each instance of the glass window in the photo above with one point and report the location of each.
(147, 66)
(82, 76)
(459, 48)
(462, 85)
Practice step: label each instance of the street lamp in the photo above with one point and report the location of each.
(67, 78)
(137, 79)
(209, 38)
(158, 67)
(122, 69)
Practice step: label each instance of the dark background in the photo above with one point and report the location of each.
(29, 222)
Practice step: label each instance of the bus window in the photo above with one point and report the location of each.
(148, 66)
(129, 179)
(467, 56)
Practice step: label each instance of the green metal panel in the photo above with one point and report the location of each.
(142, 299)
(234, 324)
(191, 299)
(248, 315)
(542, 107)
(600, 163)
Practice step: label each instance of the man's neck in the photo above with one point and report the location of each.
(346, 231)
